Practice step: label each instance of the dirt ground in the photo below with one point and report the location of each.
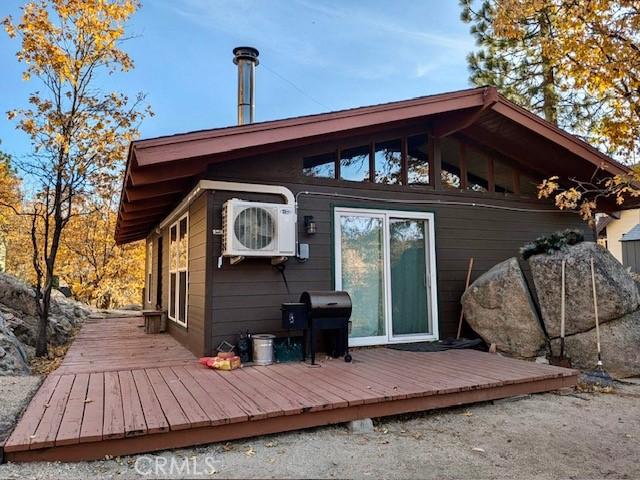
(547, 436)
(15, 394)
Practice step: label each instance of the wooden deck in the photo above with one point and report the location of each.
(120, 392)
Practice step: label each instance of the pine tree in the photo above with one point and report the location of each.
(518, 68)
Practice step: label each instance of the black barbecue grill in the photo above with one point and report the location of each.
(321, 310)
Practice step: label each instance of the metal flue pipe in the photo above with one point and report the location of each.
(246, 58)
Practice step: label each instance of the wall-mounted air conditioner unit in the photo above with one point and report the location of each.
(253, 229)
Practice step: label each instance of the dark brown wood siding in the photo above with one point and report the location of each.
(247, 296)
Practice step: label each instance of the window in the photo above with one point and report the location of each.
(388, 162)
(477, 165)
(417, 160)
(178, 270)
(451, 174)
(354, 164)
(320, 166)
(529, 185)
(503, 177)
(149, 269)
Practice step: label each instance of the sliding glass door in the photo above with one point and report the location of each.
(385, 261)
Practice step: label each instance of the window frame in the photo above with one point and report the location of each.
(149, 270)
(431, 271)
(371, 142)
(175, 268)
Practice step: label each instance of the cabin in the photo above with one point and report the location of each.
(387, 202)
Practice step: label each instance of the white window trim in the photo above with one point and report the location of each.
(175, 269)
(385, 215)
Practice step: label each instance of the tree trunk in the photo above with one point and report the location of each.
(549, 94)
(42, 342)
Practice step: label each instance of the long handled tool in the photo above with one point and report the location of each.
(562, 361)
(598, 376)
(465, 287)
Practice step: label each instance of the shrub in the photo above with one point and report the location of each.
(551, 243)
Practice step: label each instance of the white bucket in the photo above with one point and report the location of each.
(263, 349)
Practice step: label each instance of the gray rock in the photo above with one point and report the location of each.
(17, 295)
(499, 308)
(620, 341)
(13, 357)
(358, 427)
(60, 330)
(617, 292)
(17, 306)
(24, 327)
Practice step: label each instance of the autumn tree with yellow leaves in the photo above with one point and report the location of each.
(9, 199)
(99, 272)
(79, 133)
(590, 50)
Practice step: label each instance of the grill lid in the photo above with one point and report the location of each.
(327, 303)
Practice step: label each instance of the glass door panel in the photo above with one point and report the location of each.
(361, 266)
(409, 277)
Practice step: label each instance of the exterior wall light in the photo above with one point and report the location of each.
(309, 225)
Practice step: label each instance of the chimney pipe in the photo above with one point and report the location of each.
(246, 58)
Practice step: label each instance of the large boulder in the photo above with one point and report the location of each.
(620, 342)
(499, 308)
(13, 357)
(17, 295)
(25, 327)
(616, 290)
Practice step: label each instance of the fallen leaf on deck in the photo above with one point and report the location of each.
(88, 400)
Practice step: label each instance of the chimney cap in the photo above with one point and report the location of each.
(246, 53)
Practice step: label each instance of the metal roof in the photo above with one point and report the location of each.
(633, 234)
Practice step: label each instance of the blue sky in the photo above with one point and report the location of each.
(337, 54)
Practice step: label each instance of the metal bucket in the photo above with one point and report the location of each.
(263, 349)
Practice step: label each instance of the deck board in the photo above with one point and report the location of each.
(120, 391)
(134, 422)
(113, 418)
(176, 418)
(45, 434)
(92, 421)
(153, 414)
(71, 423)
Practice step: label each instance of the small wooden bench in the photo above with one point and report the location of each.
(154, 321)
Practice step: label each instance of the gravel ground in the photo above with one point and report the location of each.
(15, 393)
(547, 436)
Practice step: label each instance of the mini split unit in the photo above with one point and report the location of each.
(253, 229)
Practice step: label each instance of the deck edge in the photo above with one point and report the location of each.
(233, 431)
